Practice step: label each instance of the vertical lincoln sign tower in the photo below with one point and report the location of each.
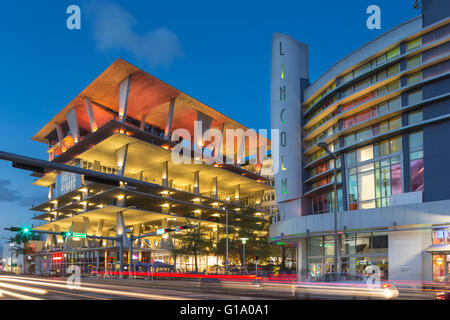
(290, 74)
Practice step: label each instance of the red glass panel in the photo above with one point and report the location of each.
(417, 175)
(347, 106)
(349, 122)
(322, 167)
(396, 179)
(362, 99)
(363, 116)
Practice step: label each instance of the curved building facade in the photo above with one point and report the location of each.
(384, 111)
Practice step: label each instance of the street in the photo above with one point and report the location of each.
(42, 288)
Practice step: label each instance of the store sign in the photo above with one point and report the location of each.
(441, 234)
(79, 235)
(57, 257)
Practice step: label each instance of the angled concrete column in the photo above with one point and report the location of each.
(197, 182)
(68, 241)
(143, 122)
(59, 239)
(62, 144)
(91, 115)
(87, 227)
(165, 173)
(137, 230)
(240, 155)
(50, 191)
(99, 231)
(215, 188)
(168, 128)
(259, 199)
(166, 243)
(122, 159)
(237, 192)
(121, 229)
(124, 89)
(203, 123)
(218, 151)
(104, 242)
(72, 121)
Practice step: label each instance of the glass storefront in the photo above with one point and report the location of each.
(359, 252)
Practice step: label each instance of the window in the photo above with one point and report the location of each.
(395, 123)
(395, 104)
(383, 127)
(413, 61)
(364, 134)
(347, 77)
(415, 117)
(365, 153)
(361, 70)
(416, 161)
(414, 78)
(395, 144)
(349, 139)
(371, 183)
(393, 53)
(416, 173)
(414, 97)
(416, 140)
(362, 84)
(413, 44)
(393, 69)
(381, 59)
(363, 116)
(382, 108)
(394, 85)
(381, 75)
(347, 92)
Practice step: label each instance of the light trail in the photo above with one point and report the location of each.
(22, 288)
(95, 290)
(18, 295)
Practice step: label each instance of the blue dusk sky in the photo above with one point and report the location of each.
(219, 52)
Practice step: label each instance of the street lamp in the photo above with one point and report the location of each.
(324, 146)
(244, 240)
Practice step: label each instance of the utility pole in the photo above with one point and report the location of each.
(226, 249)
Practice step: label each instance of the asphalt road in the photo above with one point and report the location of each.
(44, 288)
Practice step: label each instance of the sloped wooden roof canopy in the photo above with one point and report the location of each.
(148, 96)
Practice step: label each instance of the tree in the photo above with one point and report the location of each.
(23, 239)
(244, 224)
(194, 242)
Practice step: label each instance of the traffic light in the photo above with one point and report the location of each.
(67, 234)
(255, 258)
(24, 230)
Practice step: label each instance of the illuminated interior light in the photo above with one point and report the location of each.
(196, 200)
(83, 203)
(120, 197)
(165, 192)
(215, 204)
(84, 190)
(77, 198)
(198, 211)
(100, 206)
(165, 205)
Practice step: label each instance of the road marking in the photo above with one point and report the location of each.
(77, 294)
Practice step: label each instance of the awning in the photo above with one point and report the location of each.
(439, 248)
